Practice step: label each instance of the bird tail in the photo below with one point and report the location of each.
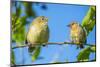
(31, 49)
(81, 46)
(34, 50)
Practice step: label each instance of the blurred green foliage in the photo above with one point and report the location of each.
(93, 49)
(28, 9)
(85, 53)
(89, 20)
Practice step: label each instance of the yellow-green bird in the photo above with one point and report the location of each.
(78, 34)
(38, 32)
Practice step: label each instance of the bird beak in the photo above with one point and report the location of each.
(46, 19)
(68, 25)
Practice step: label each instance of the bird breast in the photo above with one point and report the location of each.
(37, 35)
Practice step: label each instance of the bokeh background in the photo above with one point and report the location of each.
(59, 15)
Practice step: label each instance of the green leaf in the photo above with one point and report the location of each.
(90, 14)
(18, 11)
(94, 8)
(89, 20)
(36, 53)
(23, 20)
(92, 24)
(19, 36)
(93, 48)
(18, 29)
(84, 54)
(12, 57)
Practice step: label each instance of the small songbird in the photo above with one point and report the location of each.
(38, 32)
(77, 34)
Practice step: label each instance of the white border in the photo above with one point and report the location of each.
(4, 33)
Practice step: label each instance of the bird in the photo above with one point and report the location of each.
(38, 33)
(77, 34)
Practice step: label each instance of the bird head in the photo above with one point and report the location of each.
(73, 25)
(41, 20)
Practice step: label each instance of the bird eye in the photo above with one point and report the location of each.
(42, 18)
(72, 23)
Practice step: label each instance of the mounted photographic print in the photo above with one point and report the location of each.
(52, 33)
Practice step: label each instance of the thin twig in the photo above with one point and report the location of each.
(53, 43)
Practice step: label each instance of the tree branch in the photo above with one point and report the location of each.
(53, 43)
